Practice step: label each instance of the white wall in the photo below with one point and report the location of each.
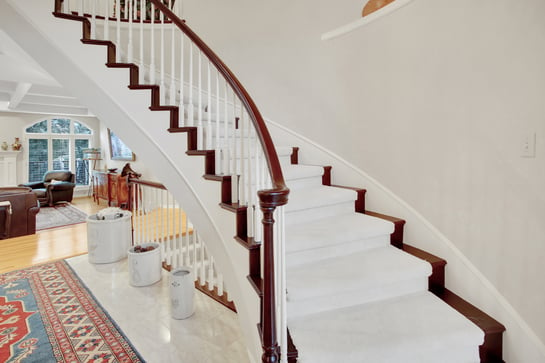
(433, 101)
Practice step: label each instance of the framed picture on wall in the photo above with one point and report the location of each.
(118, 150)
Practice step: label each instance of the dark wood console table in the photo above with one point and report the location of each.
(111, 187)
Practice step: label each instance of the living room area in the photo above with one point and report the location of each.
(211, 334)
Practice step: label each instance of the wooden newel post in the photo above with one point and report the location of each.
(269, 200)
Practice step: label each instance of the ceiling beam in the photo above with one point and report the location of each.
(20, 92)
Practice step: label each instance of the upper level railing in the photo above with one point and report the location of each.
(229, 128)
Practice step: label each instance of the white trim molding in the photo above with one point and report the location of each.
(350, 27)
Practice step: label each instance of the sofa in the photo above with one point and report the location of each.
(57, 186)
(18, 209)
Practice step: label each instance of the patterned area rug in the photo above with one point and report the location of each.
(58, 216)
(48, 315)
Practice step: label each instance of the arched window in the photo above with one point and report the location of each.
(58, 144)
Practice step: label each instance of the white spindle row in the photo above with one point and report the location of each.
(158, 217)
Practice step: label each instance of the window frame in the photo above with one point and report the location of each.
(48, 135)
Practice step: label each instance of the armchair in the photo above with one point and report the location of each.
(18, 209)
(57, 186)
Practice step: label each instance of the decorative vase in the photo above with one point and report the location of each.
(145, 267)
(5, 146)
(182, 291)
(16, 146)
(373, 5)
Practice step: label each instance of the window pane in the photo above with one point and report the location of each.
(82, 166)
(61, 154)
(81, 129)
(37, 159)
(38, 127)
(60, 126)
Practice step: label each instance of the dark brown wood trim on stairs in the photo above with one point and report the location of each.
(491, 351)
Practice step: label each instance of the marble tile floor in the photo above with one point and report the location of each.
(211, 335)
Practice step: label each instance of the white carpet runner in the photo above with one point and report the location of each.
(354, 298)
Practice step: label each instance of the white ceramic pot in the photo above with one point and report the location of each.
(182, 292)
(145, 267)
(108, 240)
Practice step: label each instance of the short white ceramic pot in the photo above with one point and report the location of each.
(145, 267)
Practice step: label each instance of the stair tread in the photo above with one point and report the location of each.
(335, 230)
(355, 272)
(416, 328)
(317, 196)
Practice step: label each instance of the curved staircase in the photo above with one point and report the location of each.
(358, 294)
(355, 291)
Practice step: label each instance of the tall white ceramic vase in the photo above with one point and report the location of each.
(182, 292)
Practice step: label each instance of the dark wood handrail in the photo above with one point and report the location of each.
(147, 183)
(259, 124)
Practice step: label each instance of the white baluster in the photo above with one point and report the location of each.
(202, 270)
(152, 47)
(162, 59)
(225, 151)
(243, 154)
(156, 215)
(118, 30)
(130, 43)
(80, 8)
(282, 285)
(250, 179)
(200, 140)
(259, 183)
(107, 20)
(209, 108)
(93, 18)
(195, 260)
(188, 236)
(133, 205)
(166, 226)
(172, 97)
(211, 267)
(182, 92)
(141, 73)
(219, 280)
(217, 146)
(236, 166)
(190, 110)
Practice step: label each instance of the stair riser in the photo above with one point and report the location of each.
(300, 308)
(347, 248)
(312, 214)
(304, 183)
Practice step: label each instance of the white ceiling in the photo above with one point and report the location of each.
(27, 87)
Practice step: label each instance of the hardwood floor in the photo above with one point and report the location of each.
(47, 245)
